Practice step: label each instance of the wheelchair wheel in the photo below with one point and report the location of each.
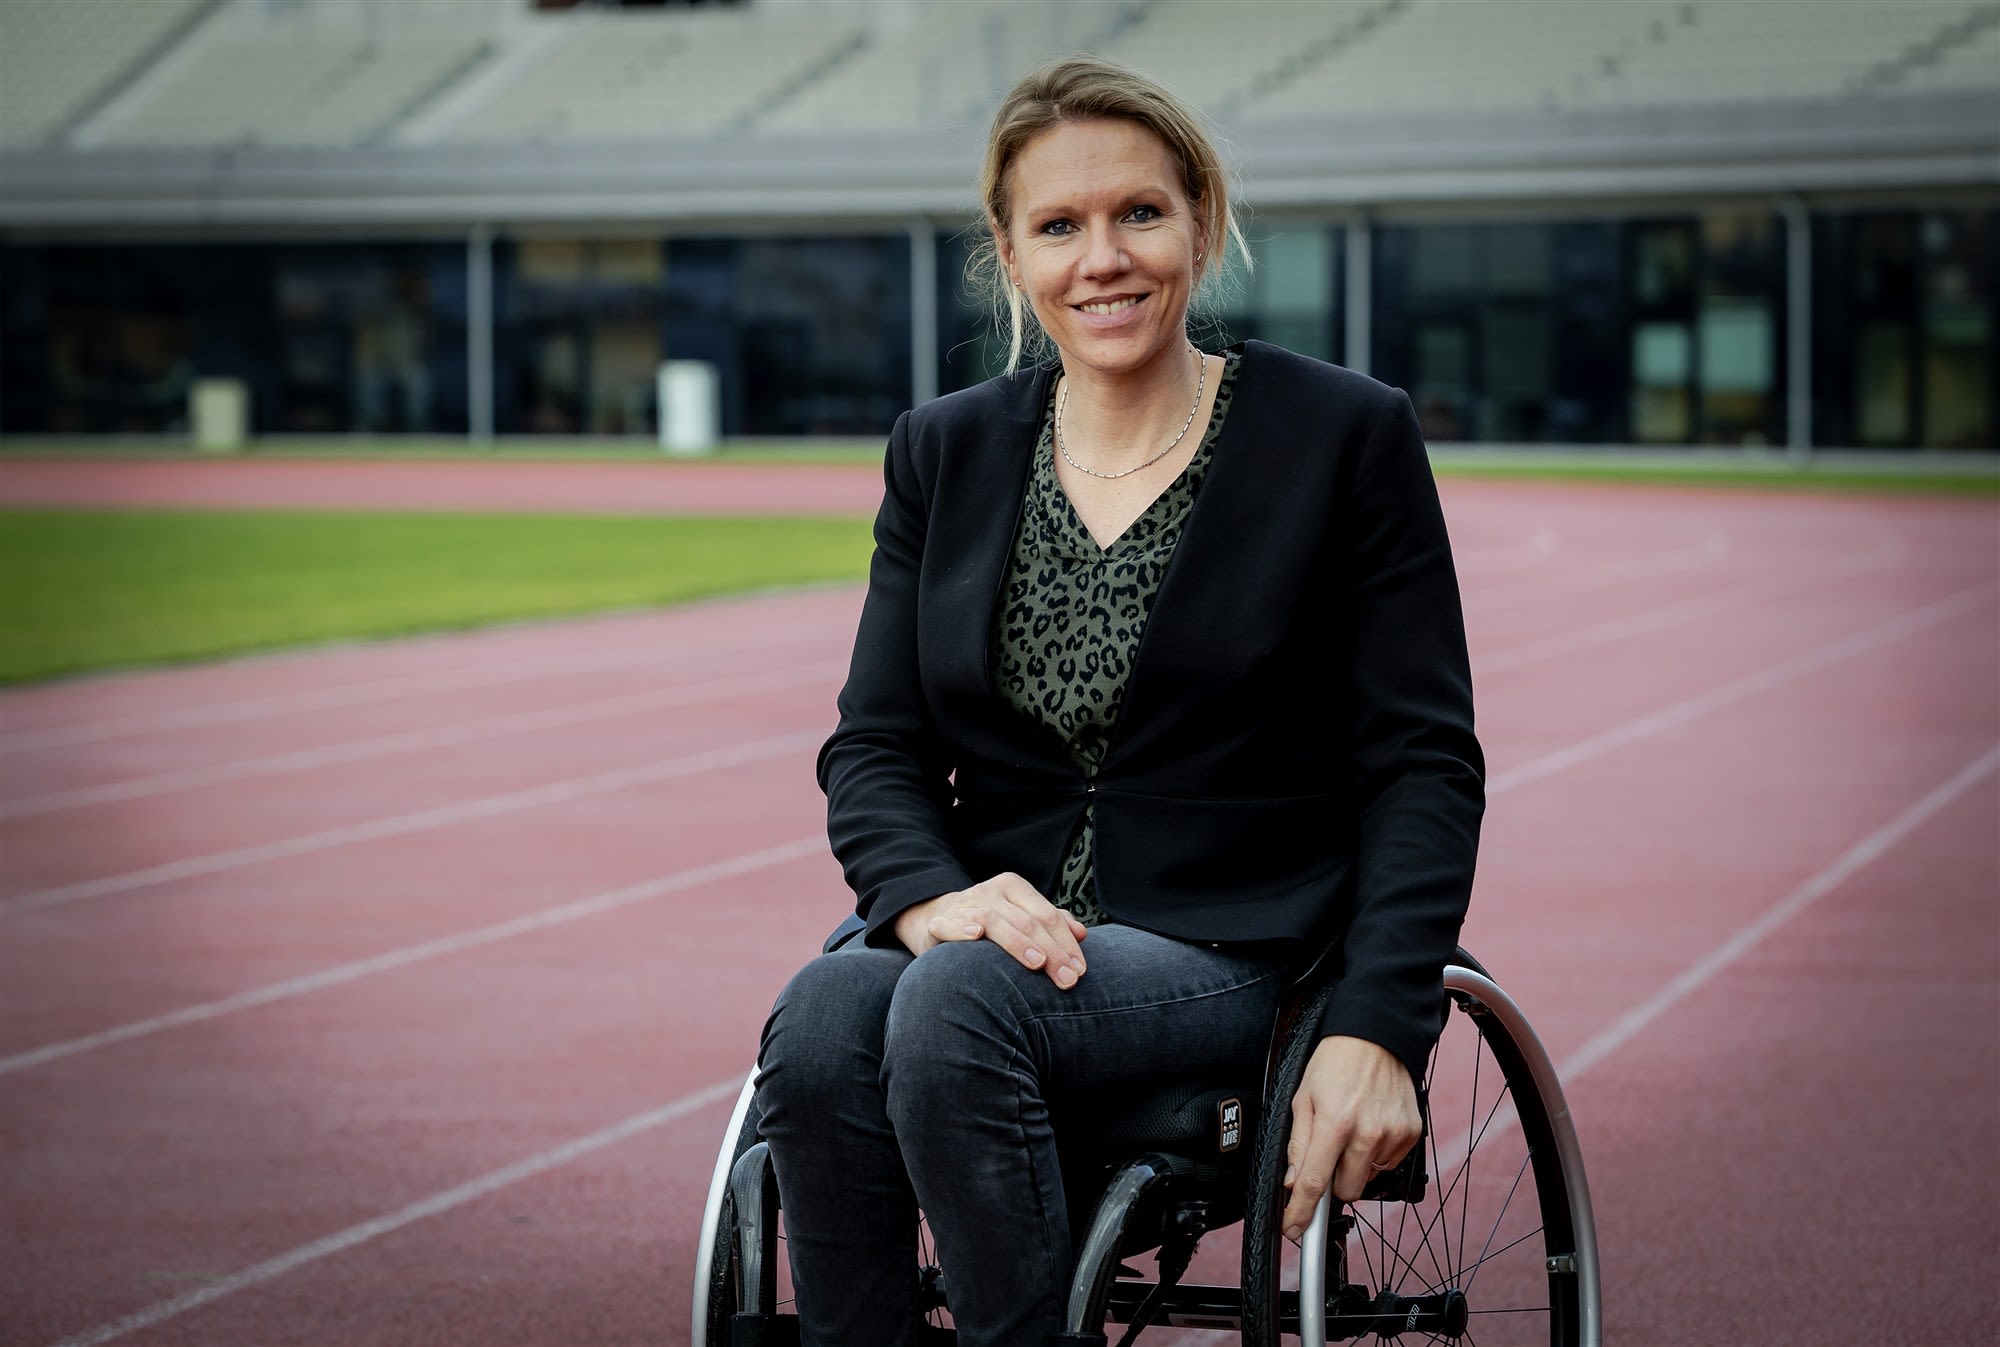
(718, 1272)
(716, 1275)
(1493, 1244)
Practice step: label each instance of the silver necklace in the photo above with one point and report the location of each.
(1200, 383)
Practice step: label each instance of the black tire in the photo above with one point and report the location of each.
(719, 1294)
(1263, 1250)
(1504, 1221)
(720, 1290)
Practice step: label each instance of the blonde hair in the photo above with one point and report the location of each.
(1090, 88)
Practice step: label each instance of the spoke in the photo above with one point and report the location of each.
(1465, 1200)
(1377, 1281)
(1424, 1228)
(1503, 1249)
(1402, 1223)
(1389, 1251)
(1472, 1145)
(1481, 1260)
(1436, 1158)
(1523, 1309)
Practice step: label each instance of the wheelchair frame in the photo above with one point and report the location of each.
(738, 1264)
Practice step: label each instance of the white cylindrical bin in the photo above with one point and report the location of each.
(690, 395)
(219, 415)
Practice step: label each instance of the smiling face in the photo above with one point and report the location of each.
(1103, 242)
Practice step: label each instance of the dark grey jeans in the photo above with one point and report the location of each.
(889, 1082)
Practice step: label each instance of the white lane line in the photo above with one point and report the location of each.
(435, 1205)
(1704, 970)
(1856, 858)
(442, 736)
(1863, 853)
(1741, 689)
(1585, 577)
(400, 825)
(679, 882)
(1679, 713)
(478, 672)
(1666, 616)
(1512, 556)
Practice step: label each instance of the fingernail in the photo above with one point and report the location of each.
(1065, 976)
(1291, 1172)
(1294, 1232)
(972, 928)
(1035, 957)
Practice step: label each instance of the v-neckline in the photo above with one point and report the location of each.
(1083, 540)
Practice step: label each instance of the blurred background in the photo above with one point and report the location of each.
(1587, 222)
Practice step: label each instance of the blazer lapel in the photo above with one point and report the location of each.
(1204, 565)
(982, 480)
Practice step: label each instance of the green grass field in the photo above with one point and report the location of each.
(90, 590)
(1837, 470)
(102, 589)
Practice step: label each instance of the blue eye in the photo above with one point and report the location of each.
(1057, 227)
(1146, 214)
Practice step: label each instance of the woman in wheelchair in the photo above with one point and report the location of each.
(1159, 693)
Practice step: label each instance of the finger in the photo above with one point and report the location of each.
(955, 926)
(1006, 931)
(1357, 1165)
(1054, 927)
(1295, 1143)
(1315, 1171)
(1049, 927)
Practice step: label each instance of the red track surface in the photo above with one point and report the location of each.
(1740, 867)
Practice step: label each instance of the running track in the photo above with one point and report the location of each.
(396, 994)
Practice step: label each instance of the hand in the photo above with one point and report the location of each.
(1355, 1113)
(1007, 910)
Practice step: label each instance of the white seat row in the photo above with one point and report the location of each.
(1556, 53)
(338, 87)
(337, 72)
(633, 75)
(57, 57)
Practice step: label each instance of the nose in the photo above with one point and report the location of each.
(1103, 254)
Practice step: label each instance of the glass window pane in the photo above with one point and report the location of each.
(1444, 261)
(1662, 359)
(1882, 385)
(1663, 265)
(1736, 349)
(1958, 305)
(1295, 275)
(1519, 260)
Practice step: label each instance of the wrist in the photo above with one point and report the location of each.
(913, 925)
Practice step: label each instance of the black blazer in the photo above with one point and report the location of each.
(1294, 760)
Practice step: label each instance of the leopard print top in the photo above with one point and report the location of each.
(1071, 615)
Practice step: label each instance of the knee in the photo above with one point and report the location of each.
(825, 1032)
(958, 1011)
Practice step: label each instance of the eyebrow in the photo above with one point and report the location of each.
(1157, 196)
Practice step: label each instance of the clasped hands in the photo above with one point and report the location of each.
(1355, 1111)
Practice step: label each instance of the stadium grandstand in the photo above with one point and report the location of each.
(1766, 223)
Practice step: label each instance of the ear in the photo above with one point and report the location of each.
(1004, 247)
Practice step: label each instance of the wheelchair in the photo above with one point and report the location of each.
(1483, 1236)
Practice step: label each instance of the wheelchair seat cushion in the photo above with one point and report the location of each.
(1198, 1121)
